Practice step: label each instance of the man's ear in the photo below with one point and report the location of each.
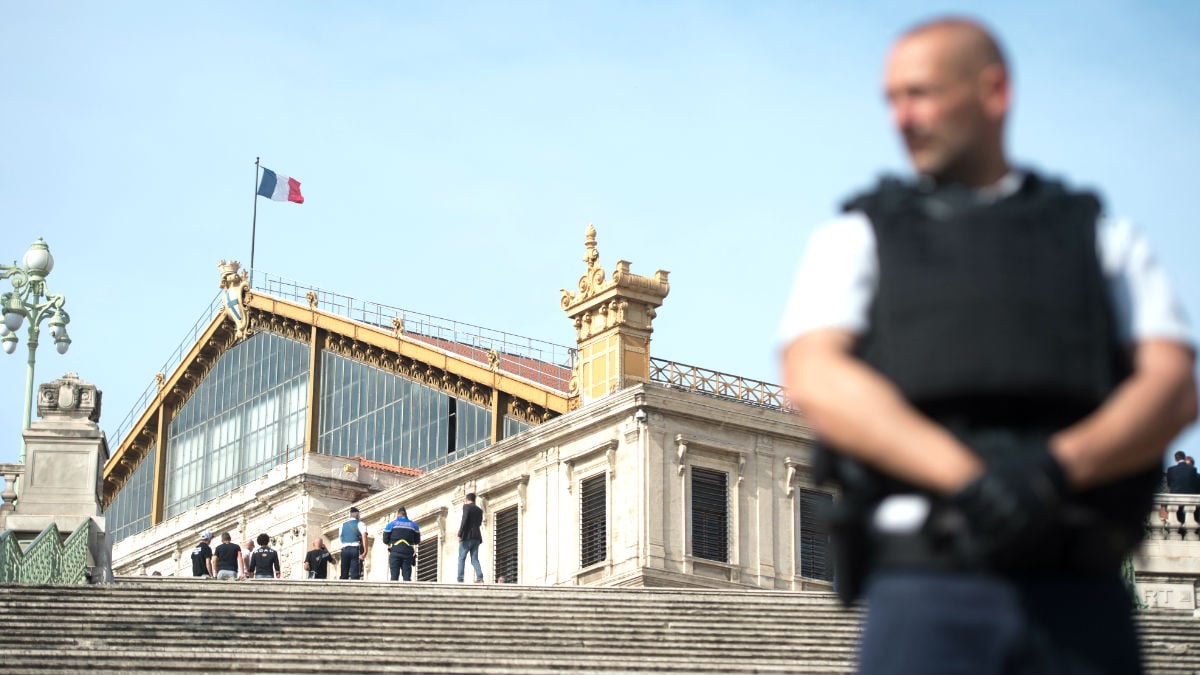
(995, 90)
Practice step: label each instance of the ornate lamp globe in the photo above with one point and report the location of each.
(38, 259)
(14, 311)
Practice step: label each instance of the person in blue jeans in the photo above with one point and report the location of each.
(469, 538)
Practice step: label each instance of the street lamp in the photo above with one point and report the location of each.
(29, 300)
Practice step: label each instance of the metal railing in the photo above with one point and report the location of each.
(722, 385)
(539, 361)
(544, 362)
(49, 559)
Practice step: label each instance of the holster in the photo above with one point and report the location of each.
(850, 518)
(852, 551)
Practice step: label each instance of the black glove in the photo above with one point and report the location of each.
(1009, 508)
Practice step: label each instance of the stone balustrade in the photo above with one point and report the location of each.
(9, 473)
(1163, 521)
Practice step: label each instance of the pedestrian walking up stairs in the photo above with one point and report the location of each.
(192, 625)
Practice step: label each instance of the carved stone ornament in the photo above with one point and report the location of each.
(234, 287)
(69, 397)
(649, 291)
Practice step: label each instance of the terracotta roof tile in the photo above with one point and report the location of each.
(391, 468)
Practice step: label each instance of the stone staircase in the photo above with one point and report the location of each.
(193, 625)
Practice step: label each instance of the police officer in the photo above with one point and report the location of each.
(401, 537)
(998, 370)
(353, 537)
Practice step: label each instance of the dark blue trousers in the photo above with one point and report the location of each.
(351, 565)
(941, 623)
(398, 563)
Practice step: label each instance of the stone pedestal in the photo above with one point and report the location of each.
(65, 454)
(64, 459)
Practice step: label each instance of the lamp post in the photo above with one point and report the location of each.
(29, 299)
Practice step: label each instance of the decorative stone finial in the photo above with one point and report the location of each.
(613, 322)
(235, 287)
(69, 397)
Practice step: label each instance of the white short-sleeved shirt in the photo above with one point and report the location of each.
(838, 273)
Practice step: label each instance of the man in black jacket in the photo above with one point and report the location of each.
(996, 369)
(1182, 479)
(264, 562)
(469, 538)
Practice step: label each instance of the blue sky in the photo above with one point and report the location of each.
(452, 154)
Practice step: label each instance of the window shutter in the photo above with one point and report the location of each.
(710, 514)
(507, 543)
(427, 560)
(814, 534)
(593, 520)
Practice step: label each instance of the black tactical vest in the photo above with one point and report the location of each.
(997, 311)
(994, 319)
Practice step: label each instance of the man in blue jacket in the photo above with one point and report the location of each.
(401, 537)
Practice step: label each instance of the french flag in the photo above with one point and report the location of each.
(279, 188)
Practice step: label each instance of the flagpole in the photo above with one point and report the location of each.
(254, 221)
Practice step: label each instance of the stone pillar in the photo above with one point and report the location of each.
(613, 325)
(64, 461)
(66, 452)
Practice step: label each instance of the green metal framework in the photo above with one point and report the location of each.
(49, 559)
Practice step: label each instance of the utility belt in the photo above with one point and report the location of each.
(395, 547)
(1078, 543)
(879, 523)
(917, 532)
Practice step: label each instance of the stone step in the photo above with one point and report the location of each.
(185, 625)
(210, 660)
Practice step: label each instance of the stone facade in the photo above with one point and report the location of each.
(643, 439)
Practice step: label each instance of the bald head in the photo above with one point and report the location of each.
(968, 45)
(948, 88)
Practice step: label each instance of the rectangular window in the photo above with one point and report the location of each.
(710, 514)
(593, 520)
(427, 560)
(506, 545)
(813, 535)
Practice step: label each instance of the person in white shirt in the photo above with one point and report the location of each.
(995, 369)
